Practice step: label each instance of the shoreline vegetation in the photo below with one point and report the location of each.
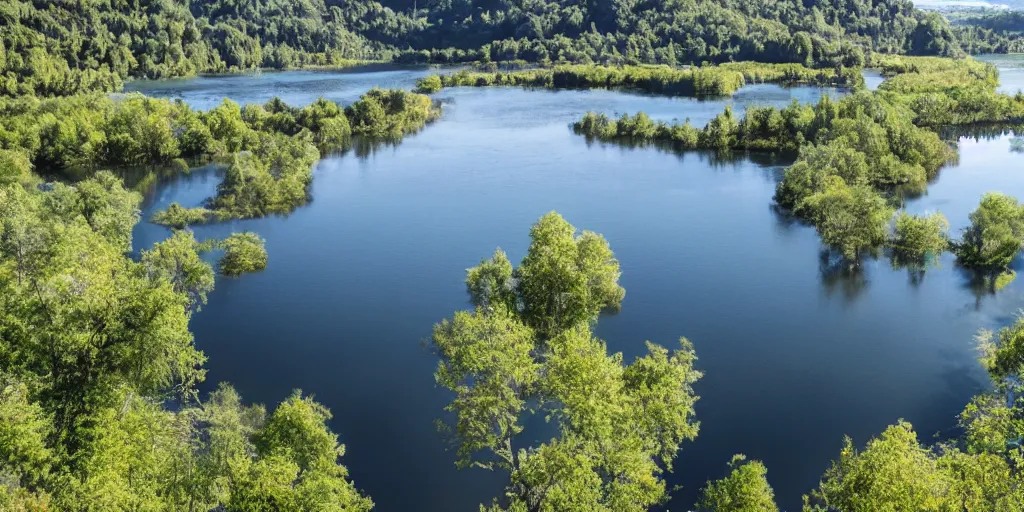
(270, 149)
(63, 48)
(719, 80)
(859, 155)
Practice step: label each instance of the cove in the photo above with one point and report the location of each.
(795, 356)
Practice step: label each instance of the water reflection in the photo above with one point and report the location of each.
(842, 276)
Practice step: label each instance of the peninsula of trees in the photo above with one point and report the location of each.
(270, 149)
(859, 155)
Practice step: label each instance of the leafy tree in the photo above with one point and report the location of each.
(243, 252)
(565, 279)
(918, 239)
(620, 426)
(179, 217)
(893, 473)
(745, 489)
(849, 219)
(14, 166)
(995, 236)
(177, 260)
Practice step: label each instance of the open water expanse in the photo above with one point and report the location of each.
(795, 356)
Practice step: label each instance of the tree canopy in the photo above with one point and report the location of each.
(529, 342)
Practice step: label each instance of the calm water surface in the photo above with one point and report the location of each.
(1011, 70)
(795, 356)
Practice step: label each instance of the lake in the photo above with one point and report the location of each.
(1011, 70)
(795, 356)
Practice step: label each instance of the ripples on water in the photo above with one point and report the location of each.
(796, 355)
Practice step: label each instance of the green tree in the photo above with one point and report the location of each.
(243, 252)
(849, 219)
(892, 474)
(620, 426)
(177, 260)
(745, 489)
(564, 279)
(995, 236)
(919, 239)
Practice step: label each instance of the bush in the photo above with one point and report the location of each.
(179, 217)
(243, 252)
(429, 85)
(996, 234)
(918, 239)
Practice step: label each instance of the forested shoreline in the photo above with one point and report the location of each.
(62, 48)
(99, 372)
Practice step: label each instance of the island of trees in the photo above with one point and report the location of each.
(722, 80)
(860, 155)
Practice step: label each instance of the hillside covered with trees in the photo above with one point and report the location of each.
(59, 48)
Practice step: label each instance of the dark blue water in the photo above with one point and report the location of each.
(795, 357)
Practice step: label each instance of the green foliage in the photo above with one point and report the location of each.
(487, 360)
(390, 113)
(853, 154)
(243, 253)
(429, 85)
(566, 279)
(721, 80)
(95, 343)
(179, 217)
(893, 473)
(72, 137)
(491, 283)
(620, 426)
(995, 236)
(988, 30)
(24, 428)
(273, 179)
(745, 489)
(14, 167)
(824, 34)
(918, 240)
(60, 48)
(1003, 352)
(177, 261)
(849, 219)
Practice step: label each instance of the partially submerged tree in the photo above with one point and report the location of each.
(528, 349)
(243, 253)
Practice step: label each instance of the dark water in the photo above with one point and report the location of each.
(795, 357)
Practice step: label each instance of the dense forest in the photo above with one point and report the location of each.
(59, 48)
(987, 31)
